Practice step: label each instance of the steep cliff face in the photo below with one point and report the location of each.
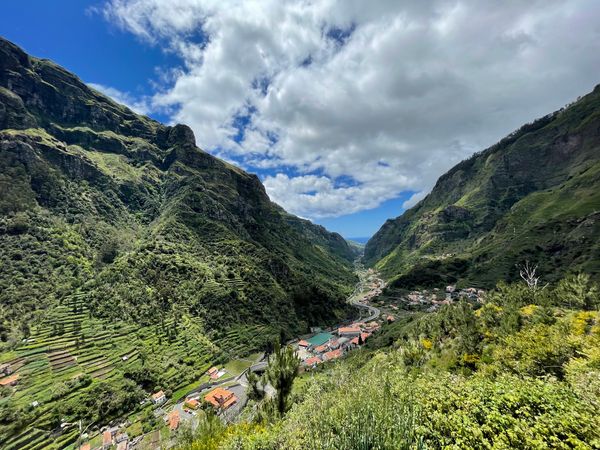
(533, 196)
(131, 215)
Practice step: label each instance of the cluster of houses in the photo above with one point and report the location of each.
(215, 373)
(432, 299)
(375, 287)
(327, 346)
(111, 437)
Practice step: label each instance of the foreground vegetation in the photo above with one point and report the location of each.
(521, 371)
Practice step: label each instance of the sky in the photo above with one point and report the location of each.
(347, 110)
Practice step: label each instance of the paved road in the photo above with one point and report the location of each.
(374, 312)
(355, 298)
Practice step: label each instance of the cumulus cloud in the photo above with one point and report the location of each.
(364, 100)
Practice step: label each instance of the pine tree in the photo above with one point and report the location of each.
(281, 373)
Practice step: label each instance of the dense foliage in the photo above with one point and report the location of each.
(133, 258)
(521, 371)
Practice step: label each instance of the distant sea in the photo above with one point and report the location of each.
(360, 240)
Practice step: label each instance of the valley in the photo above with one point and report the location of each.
(153, 295)
(137, 429)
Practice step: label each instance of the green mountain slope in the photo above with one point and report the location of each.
(533, 196)
(123, 243)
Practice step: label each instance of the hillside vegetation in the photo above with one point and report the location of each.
(521, 371)
(533, 196)
(131, 259)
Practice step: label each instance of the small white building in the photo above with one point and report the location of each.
(159, 398)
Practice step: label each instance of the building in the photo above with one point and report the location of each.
(123, 445)
(320, 339)
(85, 446)
(372, 326)
(221, 398)
(106, 439)
(312, 362)
(159, 398)
(333, 354)
(191, 403)
(348, 331)
(321, 348)
(303, 343)
(334, 344)
(390, 319)
(10, 380)
(173, 420)
(342, 341)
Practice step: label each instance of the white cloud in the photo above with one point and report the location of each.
(140, 106)
(406, 91)
(318, 196)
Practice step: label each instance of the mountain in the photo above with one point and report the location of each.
(104, 202)
(122, 242)
(534, 196)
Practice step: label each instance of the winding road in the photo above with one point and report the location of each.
(357, 295)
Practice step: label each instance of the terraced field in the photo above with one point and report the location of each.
(69, 345)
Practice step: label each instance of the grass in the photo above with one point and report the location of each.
(236, 366)
(182, 392)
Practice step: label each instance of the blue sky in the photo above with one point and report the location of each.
(348, 111)
(79, 39)
(85, 44)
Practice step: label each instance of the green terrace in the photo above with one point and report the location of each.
(69, 346)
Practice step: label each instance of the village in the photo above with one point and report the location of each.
(227, 397)
(223, 388)
(427, 300)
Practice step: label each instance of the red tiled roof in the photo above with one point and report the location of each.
(107, 438)
(354, 341)
(333, 354)
(174, 420)
(192, 403)
(312, 361)
(321, 348)
(220, 397)
(365, 336)
(303, 343)
(348, 330)
(213, 370)
(85, 446)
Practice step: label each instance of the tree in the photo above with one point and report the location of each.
(255, 386)
(528, 273)
(281, 372)
(577, 291)
(25, 329)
